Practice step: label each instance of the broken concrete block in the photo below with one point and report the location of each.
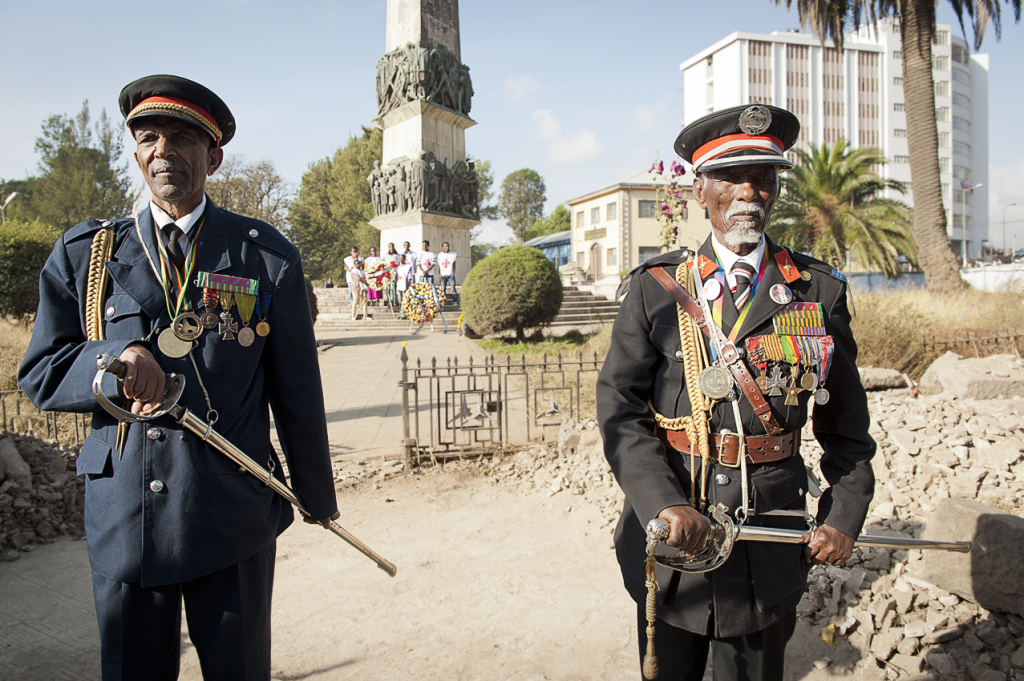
(990, 575)
(15, 465)
(984, 378)
(874, 378)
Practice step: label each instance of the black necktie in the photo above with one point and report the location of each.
(174, 251)
(743, 273)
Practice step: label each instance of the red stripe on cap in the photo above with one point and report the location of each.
(181, 102)
(721, 141)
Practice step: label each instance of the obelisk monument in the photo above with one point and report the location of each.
(423, 188)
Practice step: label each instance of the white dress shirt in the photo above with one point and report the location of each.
(184, 223)
(728, 258)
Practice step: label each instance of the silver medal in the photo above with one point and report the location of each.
(821, 397)
(246, 336)
(715, 382)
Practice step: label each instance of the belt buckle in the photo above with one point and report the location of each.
(741, 449)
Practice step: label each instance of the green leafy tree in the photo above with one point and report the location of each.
(480, 251)
(560, 220)
(522, 200)
(485, 176)
(830, 207)
(24, 247)
(252, 189)
(516, 288)
(80, 174)
(830, 19)
(333, 208)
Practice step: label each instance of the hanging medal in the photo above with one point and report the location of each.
(827, 348)
(246, 302)
(262, 310)
(176, 340)
(209, 318)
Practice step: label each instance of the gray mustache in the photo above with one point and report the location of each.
(745, 207)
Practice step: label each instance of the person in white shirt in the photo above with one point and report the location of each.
(392, 258)
(425, 264)
(446, 265)
(373, 296)
(350, 266)
(358, 288)
(404, 278)
(410, 255)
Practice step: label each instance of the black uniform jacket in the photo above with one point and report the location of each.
(761, 581)
(208, 515)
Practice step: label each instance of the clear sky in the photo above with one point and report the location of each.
(585, 92)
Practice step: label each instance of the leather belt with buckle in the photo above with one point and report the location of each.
(727, 446)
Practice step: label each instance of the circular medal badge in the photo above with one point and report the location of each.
(715, 382)
(755, 119)
(209, 320)
(821, 397)
(712, 289)
(809, 381)
(171, 345)
(246, 336)
(781, 294)
(263, 329)
(187, 326)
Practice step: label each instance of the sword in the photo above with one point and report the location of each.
(174, 385)
(725, 533)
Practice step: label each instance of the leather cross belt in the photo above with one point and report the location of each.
(726, 450)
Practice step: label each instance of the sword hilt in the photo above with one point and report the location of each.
(112, 365)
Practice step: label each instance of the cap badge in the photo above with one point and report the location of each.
(755, 119)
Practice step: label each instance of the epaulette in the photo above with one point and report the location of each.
(670, 258)
(813, 263)
(90, 227)
(265, 236)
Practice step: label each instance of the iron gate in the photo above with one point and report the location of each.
(451, 409)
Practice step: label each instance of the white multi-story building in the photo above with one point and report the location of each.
(858, 95)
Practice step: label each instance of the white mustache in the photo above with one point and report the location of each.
(745, 207)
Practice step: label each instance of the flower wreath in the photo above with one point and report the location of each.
(419, 304)
(378, 276)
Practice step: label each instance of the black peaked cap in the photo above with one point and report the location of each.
(176, 87)
(750, 120)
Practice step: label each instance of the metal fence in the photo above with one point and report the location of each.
(973, 343)
(17, 415)
(451, 409)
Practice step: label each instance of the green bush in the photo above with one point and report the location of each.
(24, 247)
(515, 288)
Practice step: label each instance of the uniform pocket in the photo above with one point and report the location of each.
(779, 485)
(94, 459)
(666, 339)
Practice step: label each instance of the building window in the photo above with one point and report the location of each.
(648, 252)
(945, 192)
(944, 164)
(960, 54)
(962, 148)
(900, 159)
(944, 140)
(897, 106)
(962, 173)
(961, 77)
(897, 55)
(595, 215)
(942, 114)
(645, 209)
(961, 124)
(579, 220)
(900, 132)
(613, 257)
(942, 88)
(579, 260)
(940, 62)
(961, 100)
(897, 81)
(759, 71)
(611, 211)
(941, 37)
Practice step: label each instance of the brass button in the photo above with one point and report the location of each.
(154, 433)
(156, 486)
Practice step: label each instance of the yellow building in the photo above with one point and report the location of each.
(617, 228)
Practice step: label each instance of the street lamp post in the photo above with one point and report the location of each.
(964, 188)
(14, 195)
(1004, 228)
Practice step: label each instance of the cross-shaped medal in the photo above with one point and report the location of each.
(228, 327)
(772, 384)
(795, 389)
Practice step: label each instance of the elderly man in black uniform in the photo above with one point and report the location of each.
(670, 429)
(220, 299)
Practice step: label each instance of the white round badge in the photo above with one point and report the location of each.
(781, 294)
(712, 289)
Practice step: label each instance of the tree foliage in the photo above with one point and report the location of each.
(24, 247)
(480, 251)
(831, 19)
(560, 220)
(522, 200)
(80, 173)
(332, 210)
(830, 207)
(253, 189)
(516, 288)
(485, 190)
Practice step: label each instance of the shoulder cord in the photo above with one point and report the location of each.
(96, 284)
(695, 360)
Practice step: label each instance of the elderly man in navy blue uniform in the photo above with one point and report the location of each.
(670, 433)
(168, 518)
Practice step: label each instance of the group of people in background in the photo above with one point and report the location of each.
(407, 267)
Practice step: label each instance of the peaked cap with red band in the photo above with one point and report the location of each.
(180, 98)
(752, 134)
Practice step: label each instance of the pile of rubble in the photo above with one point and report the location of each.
(40, 497)
(930, 448)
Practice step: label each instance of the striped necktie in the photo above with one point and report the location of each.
(742, 272)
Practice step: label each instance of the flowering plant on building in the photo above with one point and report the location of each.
(422, 302)
(671, 201)
(378, 276)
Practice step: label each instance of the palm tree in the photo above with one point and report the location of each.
(831, 206)
(830, 19)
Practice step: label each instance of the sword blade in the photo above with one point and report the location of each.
(784, 536)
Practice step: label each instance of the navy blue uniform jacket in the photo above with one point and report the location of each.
(208, 515)
(760, 582)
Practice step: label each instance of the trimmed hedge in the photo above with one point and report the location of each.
(515, 288)
(24, 248)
